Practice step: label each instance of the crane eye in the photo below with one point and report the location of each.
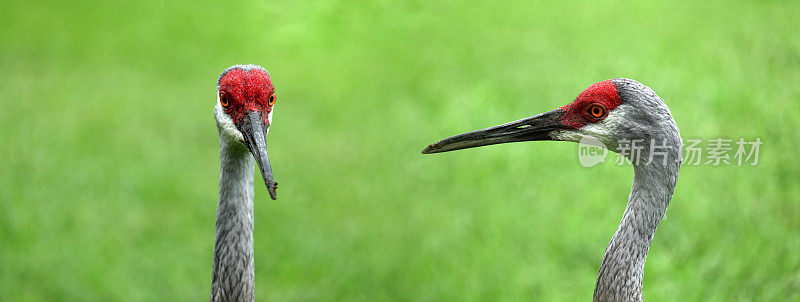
(596, 111)
(223, 99)
(272, 100)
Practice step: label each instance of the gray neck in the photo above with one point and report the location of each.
(233, 269)
(622, 269)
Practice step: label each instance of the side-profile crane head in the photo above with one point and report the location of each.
(245, 103)
(611, 110)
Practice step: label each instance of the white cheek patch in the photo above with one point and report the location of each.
(605, 127)
(225, 122)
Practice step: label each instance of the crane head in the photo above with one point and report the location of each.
(609, 111)
(245, 102)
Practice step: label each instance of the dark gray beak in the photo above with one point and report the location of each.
(254, 131)
(535, 128)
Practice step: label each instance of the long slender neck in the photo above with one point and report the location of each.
(622, 269)
(233, 269)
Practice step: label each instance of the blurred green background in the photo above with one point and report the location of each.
(109, 152)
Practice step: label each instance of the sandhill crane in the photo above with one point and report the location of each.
(619, 112)
(245, 100)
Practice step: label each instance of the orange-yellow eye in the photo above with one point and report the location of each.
(223, 99)
(597, 111)
(272, 100)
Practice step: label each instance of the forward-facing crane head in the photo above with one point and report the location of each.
(245, 103)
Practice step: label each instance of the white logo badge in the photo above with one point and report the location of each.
(591, 151)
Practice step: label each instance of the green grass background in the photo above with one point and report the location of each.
(109, 151)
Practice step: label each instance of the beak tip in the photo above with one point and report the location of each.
(429, 149)
(273, 190)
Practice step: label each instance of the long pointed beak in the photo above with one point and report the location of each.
(254, 131)
(535, 128)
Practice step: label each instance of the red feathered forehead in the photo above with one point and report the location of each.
(247, 91)
(603, 93)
